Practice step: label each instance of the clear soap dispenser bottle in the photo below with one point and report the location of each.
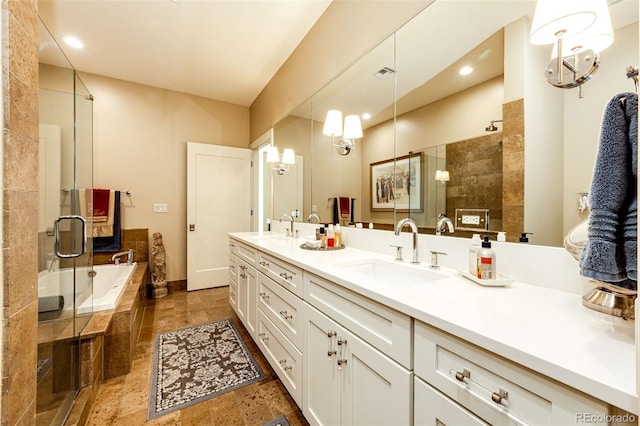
(486, 261)
(473, 254)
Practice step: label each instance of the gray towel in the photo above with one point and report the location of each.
(610, 252)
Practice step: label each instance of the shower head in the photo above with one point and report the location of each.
(491, 127)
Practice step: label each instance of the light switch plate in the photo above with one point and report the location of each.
(161, 208)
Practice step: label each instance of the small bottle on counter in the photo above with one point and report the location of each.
(370, 225)
(486, 261)
(331, 237)
(524, 238)
(473, 254)
(323, 237)
(337, 236)
(502, 236)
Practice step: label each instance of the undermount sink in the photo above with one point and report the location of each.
(382, 270)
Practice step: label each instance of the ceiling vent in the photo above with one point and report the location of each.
(384, 73)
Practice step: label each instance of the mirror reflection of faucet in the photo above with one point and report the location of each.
(313, 216)
(290, 218)
(444, 224)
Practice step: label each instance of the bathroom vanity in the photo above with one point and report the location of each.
(357, 339)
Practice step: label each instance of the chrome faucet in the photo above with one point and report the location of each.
(443, 221)
(288, 216)
(116, 257)
(313, 216)
(414, 230)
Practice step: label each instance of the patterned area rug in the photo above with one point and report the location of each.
(280, 421)
(197, 363)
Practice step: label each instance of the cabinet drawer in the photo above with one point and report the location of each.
(285, 274)
(233, 267)
(247, 253)
(476, 378)
(285, 359)
(433, 408)
(282, 308)
(384, 328)
(233, 295)
(233, 246)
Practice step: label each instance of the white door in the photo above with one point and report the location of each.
(218, 202)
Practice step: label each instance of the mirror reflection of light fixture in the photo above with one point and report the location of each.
(442, 176)
(352, 131)
(580, 29)
(280, 167)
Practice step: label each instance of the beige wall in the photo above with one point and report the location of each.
(461, 116)
(140, 135)
(346, 31)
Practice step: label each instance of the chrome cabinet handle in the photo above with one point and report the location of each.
(56, 233)
(286, 315)
(331, 334)
(263, 337)
(243, 267)
(285, 276)
(500, 397)
(243, 276)
(264, 264)
(232, 266)
(341, 361)
(461, 377)
(264, 295)
(285, 365)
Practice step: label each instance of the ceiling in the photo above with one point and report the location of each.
(226, 50)
(428, 71)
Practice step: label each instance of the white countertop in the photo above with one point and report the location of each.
(546, 330)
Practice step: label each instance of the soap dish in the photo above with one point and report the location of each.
(501, 281)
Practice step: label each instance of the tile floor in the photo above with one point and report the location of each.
(124, 400)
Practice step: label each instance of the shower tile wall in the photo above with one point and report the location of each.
(475, 167)
(513, 169)
(20, 210)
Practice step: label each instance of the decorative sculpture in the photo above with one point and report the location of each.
(159, 271)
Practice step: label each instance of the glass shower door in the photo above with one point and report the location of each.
(64, 255)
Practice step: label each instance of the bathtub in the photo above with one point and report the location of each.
(108, 283)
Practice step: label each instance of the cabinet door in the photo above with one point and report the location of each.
(251, 310)
(375, 389)
(434, 408)
(321, 378)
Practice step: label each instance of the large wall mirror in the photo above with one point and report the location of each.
(500, 143)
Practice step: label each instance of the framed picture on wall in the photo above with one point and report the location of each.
(397, 184)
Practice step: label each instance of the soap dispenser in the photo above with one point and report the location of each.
(473, 254)
(524, 238)
(486, 261)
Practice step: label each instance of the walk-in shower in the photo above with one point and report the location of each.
(64, 252)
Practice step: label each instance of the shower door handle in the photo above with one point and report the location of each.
(56, 233)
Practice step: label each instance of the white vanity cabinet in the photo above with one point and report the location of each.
(349, 382)
(482, 385)
(233, 281)
(243, 283)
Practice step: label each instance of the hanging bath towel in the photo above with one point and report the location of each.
(610, 252)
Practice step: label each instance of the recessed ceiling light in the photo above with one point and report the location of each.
(73, 42)
(466, 70)
(366, 116)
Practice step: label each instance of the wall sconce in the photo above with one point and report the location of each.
(442, 176)
(580, 29)
(352, 131)
(280, 167)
